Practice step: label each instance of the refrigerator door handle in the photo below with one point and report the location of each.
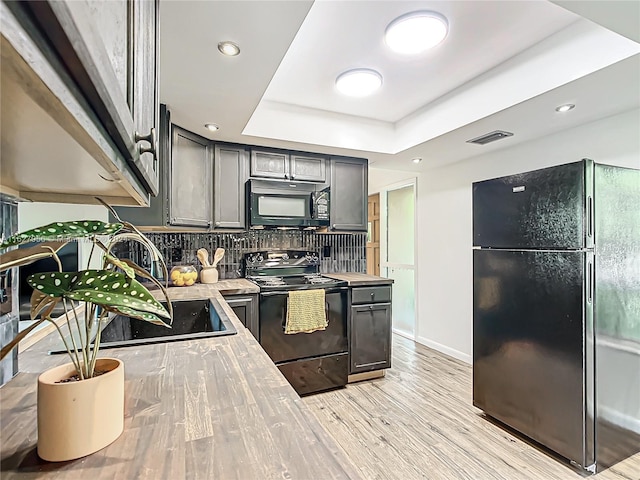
(590, 216)
(590, 282)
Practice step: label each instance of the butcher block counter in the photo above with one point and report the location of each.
(215, 408)
(360, 279)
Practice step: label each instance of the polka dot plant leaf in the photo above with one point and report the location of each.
(101, 287)
(66, 230)
(129, 312)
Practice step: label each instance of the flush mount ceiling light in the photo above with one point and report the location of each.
(229, 49)
(565, 108)
(359, 82)
(416, 160)
(211, 127)
(416, 32)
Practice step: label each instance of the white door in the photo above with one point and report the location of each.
(398, 254)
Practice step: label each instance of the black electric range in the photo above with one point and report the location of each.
(311, 362)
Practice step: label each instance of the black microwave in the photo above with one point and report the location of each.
(275, 203)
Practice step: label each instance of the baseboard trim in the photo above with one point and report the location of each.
(358, 377)
(452, 352)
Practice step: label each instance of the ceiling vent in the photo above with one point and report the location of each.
(490, 137)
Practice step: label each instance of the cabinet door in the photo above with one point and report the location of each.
(144, 99)
(311, 169)
(228, 193)
(191, 180)
(269, 164)
(156, 214)
(246, 309)
(370, 338)
(105, 46)
(349, 194)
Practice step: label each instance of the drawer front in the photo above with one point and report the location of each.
(377, 294)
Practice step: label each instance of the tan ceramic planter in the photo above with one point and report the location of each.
(76, 419)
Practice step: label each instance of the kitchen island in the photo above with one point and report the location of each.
(209, 408)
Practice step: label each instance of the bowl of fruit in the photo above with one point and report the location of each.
(183, 275)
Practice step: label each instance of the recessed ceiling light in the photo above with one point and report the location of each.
(229, 49)
(565, 108)
(416, 160)
(359, 82)
(212, 127)
(416, 32)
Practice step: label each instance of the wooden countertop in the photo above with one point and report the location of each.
(215, 408)
(360, 279)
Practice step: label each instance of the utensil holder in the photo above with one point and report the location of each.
(209, 275)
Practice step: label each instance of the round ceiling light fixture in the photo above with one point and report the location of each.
(416, 32)
(229, 49)
(416, 160)
(565, 108)
(211, 127)
(359, 82)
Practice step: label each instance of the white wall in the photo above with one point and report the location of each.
(445, 282)
(444, 217)
(35, 214)
(380, 177)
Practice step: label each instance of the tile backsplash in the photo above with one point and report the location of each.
(9, 316)
(345, 252)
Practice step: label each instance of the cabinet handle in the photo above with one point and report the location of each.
(152, 139)
(291, 177)
(286, 177)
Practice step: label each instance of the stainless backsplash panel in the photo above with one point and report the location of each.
(347, 251)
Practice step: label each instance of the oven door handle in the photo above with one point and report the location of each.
(286, 292)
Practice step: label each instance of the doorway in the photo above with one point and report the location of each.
(398, 252)
(373, 235)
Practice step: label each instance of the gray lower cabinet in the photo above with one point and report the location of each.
(349, 187)
(370, 331)
(230, 175)
(246, 309)
(191, 179)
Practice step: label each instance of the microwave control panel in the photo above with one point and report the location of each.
(321, 205)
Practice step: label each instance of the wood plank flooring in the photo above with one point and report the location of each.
(419, 422)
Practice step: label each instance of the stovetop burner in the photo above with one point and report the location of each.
(287, 270)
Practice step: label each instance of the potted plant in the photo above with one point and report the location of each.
(81, 404)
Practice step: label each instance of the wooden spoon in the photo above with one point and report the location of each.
(203, 256)
(218, 256)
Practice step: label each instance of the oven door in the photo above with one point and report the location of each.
(283, 348)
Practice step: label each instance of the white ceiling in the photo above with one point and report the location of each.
(503, 65)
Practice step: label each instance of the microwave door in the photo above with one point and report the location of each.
(280, 210)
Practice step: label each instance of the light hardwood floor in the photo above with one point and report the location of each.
(419, 422)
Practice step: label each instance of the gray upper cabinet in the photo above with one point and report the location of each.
(156, 214)
(191, 179)
(229, 176)
(287, 166)
(85, 72)
(110, 49)
(349, 189)
(312, 169)
(269, 164)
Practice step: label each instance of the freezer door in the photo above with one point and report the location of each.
(528, 344)
(544, 209)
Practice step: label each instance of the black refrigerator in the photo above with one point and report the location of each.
(556, 308)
